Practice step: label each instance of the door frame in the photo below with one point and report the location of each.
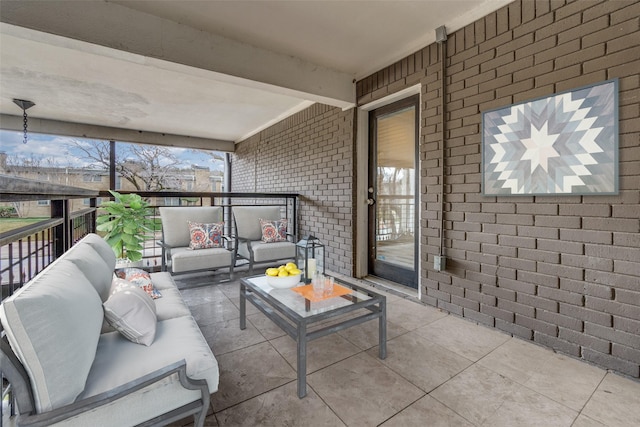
(362, 180)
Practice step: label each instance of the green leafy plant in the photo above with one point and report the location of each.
(128, 221)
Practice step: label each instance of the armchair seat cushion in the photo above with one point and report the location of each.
(185, 259)
(269, 251)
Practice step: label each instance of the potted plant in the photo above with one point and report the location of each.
(128, 220)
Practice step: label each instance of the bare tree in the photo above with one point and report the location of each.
(146, 167)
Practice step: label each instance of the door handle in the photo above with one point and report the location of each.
(371, 202)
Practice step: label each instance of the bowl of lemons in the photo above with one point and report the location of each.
(283, 277)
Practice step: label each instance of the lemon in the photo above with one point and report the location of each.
(283, 273)
(294, 271)
(291, 266)
(272, 271)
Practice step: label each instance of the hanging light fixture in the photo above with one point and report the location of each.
(25, 105)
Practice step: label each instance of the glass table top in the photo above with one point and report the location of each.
(304, 308)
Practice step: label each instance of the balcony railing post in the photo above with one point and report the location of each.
(62, 232)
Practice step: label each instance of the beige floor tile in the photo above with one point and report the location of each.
(476, 393)
(584, 421)
(517, 360)
(267, 328)
(281, 407)
(225, 337)
(366, 335)
(248, 373)
(213, 312)
(616, 402)
(202, 295)
(231, 289)
(567, 381)
(422, 362)
(561, 378)
(362, 391)
(463, 337)
(251, 309)
(412, 315)
(525, 407)
(427, 412)
(320, 353)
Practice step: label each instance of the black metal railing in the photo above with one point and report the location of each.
(26, 251)
(396, 217)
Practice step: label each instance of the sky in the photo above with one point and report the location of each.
(61, 151)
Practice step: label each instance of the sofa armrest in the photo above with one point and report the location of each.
(78, 407)
(14, 371)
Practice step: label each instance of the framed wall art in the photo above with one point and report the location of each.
(566, 143)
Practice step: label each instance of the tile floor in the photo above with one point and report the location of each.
(441, 370)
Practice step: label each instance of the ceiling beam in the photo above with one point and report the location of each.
(124, 29)
(79, 130)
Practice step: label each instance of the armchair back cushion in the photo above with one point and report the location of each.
(248, 220)
(175, 222)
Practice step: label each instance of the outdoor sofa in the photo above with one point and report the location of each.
(67, 366)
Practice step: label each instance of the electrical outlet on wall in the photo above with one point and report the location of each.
(439, 262)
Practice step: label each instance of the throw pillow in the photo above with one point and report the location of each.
(205, 236)
(274, 230)
(140, 278)
(132, 312)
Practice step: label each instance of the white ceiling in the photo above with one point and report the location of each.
(220, 70)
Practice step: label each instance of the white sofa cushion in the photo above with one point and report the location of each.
(53, 325)
(171, 305)
(119, 361)
(102, 247)
(94, 267)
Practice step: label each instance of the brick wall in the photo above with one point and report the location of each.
(563, 271)
(310, 153)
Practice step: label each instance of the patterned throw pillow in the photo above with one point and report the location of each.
(205, 236)
(274, 231)
(140, 278)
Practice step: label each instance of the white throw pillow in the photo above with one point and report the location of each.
(132, 312)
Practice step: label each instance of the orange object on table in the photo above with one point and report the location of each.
(307, 292)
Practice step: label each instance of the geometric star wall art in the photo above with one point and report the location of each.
(566, 143)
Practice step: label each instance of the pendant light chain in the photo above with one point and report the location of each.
(25, 105)
(24, 122)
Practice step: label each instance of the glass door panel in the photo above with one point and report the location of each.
(392, 191)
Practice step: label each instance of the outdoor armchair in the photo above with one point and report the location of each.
(182, 251)
(249, 242)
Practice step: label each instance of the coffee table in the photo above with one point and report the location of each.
(295, 315)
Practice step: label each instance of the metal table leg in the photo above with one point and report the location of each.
(382, 330)
(243, 306)
(302, 360)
